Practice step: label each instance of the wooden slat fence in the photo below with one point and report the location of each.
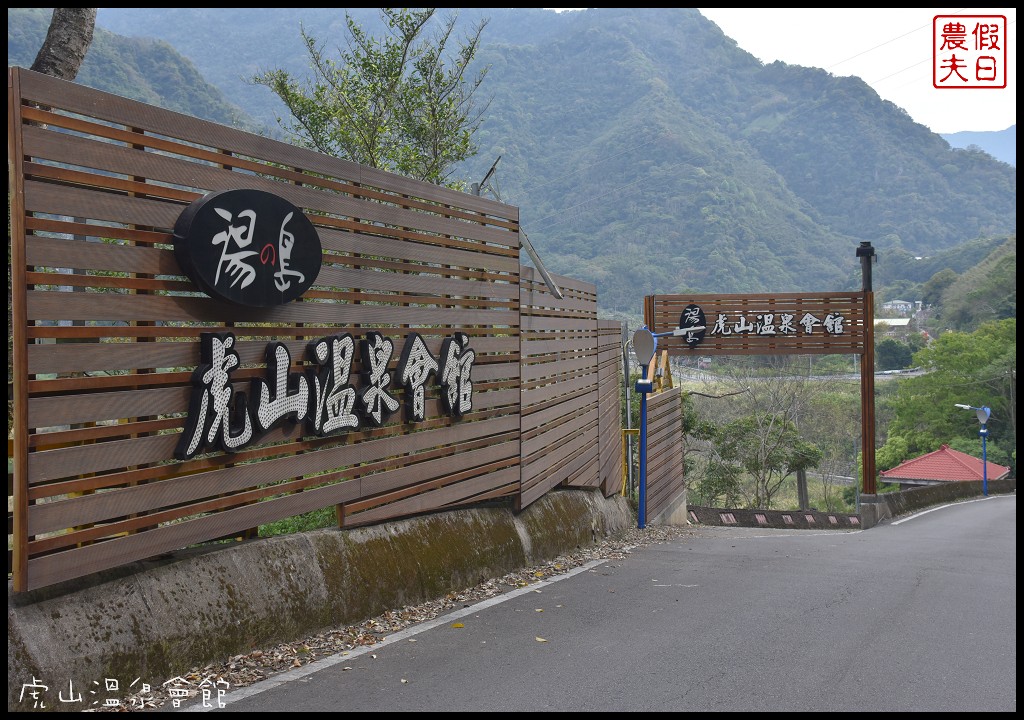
(609, 371)
(107, 332)
(559, 386)
(664, 450)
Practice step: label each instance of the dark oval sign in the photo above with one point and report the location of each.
(693, 316)
(248, 247)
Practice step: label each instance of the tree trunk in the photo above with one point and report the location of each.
(67, 41)
(801, 489)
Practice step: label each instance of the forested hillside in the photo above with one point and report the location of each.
(145, 69)
(1001, 144)
(647, 151)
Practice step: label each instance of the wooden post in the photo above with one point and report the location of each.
(867, 398)
(866, 253)
(19, 320)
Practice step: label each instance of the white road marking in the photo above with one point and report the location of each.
(943, 507)
(323, 664)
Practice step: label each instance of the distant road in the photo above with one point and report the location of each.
(918, 615)
(692, 375)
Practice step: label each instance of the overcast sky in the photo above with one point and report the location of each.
(890, 49)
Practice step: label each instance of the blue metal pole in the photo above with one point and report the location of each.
(984, 460)
(642, 510)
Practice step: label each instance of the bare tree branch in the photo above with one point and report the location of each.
(716, 397)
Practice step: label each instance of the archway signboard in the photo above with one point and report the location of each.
(781, 324)
(832, 323)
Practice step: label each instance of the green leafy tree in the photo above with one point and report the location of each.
(769, 449)
(718, 485)
(763, 430)
(713, 480)
(891, 354)
(895, 451)
(403, 102)
(931, 293)
(832, 423)
(978, 369)
(972, 446)
(987, 291)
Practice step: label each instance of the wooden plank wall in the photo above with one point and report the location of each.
(664, 450)
(559, 386)
(609, 372)
(106, 335)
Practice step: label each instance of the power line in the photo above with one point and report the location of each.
(887, 42)
(823, 104)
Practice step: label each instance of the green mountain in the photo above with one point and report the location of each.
(986, 291)
(144, 69)
(230, 45)
(1000, 144)
(650, 154)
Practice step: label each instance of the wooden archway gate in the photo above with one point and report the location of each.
(832, 323)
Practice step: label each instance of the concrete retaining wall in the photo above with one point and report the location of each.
(157, 619)
(873, 508)
(878, 508)
(803, 519)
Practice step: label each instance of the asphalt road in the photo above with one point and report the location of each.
(914, 615)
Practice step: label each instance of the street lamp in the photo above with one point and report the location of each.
(645, 344)
(983, 414)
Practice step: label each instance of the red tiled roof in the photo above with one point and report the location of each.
(945, 464)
